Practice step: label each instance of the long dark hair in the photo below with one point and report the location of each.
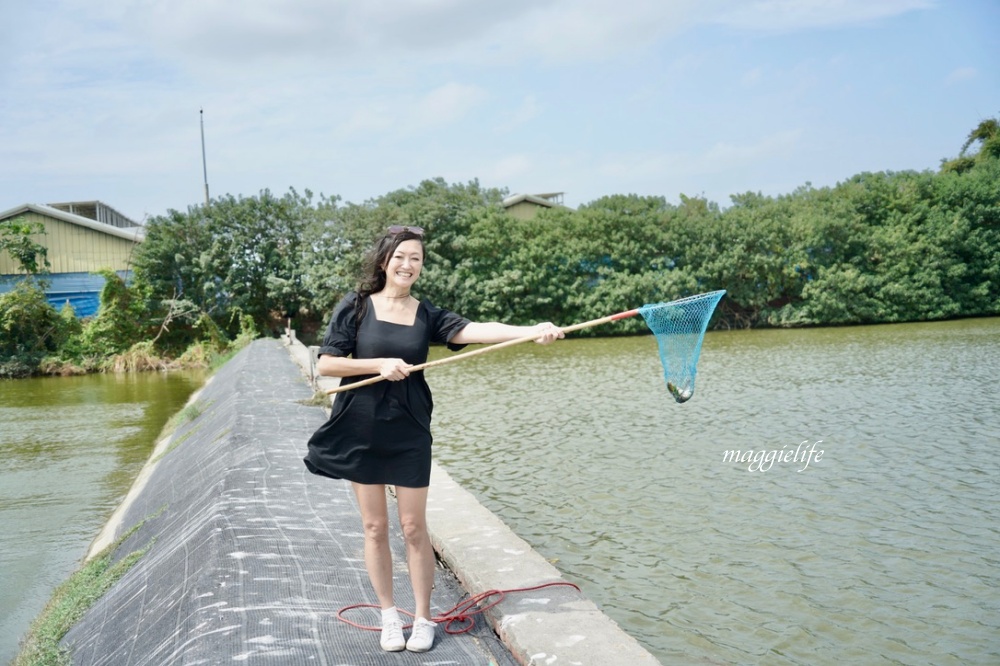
(373, 277)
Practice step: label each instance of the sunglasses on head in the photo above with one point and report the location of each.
(398, 229)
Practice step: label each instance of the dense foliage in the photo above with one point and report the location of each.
(878, 247)
(30, 329)
(240, 255)
(15, 238)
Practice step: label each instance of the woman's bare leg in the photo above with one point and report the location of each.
(412, 504)
(378, 556)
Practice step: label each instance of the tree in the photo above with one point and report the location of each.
(333, 249)
(15, 238)
(30, 329)
(254, 255)
(170, 272)
(117, 326)
(242, 255)
(446, 212)
(987, 135)
(339, 236)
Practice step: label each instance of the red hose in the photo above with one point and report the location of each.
(464, 612)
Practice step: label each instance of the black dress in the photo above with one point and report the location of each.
(381, 433)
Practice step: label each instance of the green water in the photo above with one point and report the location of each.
(885, 550)
(882, 551)
(70, 448)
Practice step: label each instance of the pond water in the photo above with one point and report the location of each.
(883, 549)
(70, 448)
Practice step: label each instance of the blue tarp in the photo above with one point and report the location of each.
(85, 303)
(82, 290)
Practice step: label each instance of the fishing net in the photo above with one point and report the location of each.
(679, 327)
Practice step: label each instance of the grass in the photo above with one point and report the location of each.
(139, 358)
(173, 445)
(207, 355)
(318, 399)
(189, 413)
(70, 601)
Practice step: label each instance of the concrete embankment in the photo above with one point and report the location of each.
(249, 557)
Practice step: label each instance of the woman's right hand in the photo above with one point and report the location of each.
(394, 369)
(547, 333)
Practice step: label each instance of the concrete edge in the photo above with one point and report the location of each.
(108, 533)
(545, 626)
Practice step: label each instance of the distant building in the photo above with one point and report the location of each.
(96, 211)
(526, 206)
(81, 237)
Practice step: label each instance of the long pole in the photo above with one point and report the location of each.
(204, 164)
(484, 350)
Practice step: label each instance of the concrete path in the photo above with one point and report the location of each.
(249, 557)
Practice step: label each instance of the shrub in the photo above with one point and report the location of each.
(115, 328)
(30, 329)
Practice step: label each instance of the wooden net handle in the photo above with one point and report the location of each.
(485, 350)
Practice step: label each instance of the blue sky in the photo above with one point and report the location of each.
(588, 97)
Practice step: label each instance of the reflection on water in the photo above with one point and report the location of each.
(70, 447)
(883, 550)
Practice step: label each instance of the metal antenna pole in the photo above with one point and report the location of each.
(204, 164)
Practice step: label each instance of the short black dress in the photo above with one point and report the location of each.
(381, 433)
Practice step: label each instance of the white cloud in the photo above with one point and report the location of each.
(359, 98)
(724, 156)
(720, 157)
(751, 77)
(446, 104)
(527, 111)
(253, 38)
(962, 74)
(399, 113)
(507, 169)
(213, 35)
(328, 32)
(795, 15)
(597, 29)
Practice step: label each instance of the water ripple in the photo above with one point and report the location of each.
(883, 550)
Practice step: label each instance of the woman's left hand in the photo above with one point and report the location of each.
(548, 333)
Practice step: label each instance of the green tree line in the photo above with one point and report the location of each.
(875, 248)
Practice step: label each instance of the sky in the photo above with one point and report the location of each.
(105, 100)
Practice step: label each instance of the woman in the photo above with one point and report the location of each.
(380, 434)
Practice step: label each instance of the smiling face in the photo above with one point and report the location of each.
(404, 265)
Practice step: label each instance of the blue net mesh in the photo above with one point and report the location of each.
(679, 327)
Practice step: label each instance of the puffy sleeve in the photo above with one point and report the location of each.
(341, 334)
(443, 325)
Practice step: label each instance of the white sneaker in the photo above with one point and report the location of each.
(392, 636)
(422, 635)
